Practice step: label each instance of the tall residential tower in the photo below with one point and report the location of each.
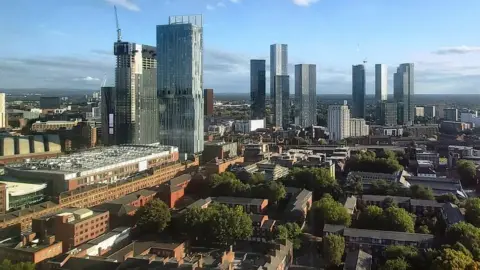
(381, 82)
(257, 88)
(404, 92)
(136, 110)
(339, 121)
(279, 84)
(305, 95)
(358, 91)
(180, 83)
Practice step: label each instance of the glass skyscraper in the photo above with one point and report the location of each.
(180, 83)
(404, 93)
(279, 84)
(358, 91)
(305, 95)
(257, 88)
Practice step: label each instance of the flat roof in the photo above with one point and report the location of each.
(94, 160)
(19, 188)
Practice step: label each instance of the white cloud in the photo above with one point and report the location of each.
(210, 7)
(304, 3)
(128, 4)
(220, 4)
(235, 1)
(87, 79)
(458, 50)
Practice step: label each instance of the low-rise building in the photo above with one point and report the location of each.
(103, 244)
(29, 248)
(299, 203)
(174, 190)
(451, 214)
(72, 226)
(263, 227)
(358, 260)
(249, 205)
(418, 207)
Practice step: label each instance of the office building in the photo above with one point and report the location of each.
(208, 99)
(3, 114)
(279, 84)
(305, 95)
(49, 102)
(419, 111)
(358, 127)
(381, 82)
(450, 114)
(339, 121)
(180, 82)
(404, 92)
(387, 113)
(358, 91)
(136, 107)
(429, 111)
(108, 113)
(257, 88)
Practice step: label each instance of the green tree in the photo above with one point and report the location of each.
(396, 264)
(370, 218)
(421, 193)
(8, 265)
(451, 259)
(318, 180)
(472, 211)
(257, 178)
(217, 223)
(328, 211)
(397, 219)
(449, 197)
(467, 171)
(152, 217)
(467, 235)
(290, 231)
(423, 229)
(333, 249)
(273, 191)
(227, 184)
(229, 224)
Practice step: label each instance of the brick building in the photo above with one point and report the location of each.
(174, 190)
(208, 100)
(30, 248)
(72, 226)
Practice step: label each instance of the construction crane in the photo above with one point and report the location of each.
(119, 31)
(104, 81)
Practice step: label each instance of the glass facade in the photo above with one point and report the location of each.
(278, 69)
(305, 95)
(180, 83)
(257, 88)
(404, 93)
(358, 91)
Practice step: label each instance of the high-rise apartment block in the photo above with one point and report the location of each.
(381, 82)
(429, 111)
(358, 127)
(208, 99)
(136, 106)
(180, 83)
(358, 91)
(386, 113)
(419, 111)
(3, 114)
(404, 92)
(305, 95)
(257, 88)
(279, 84)
(450, 114)
(108, 115)
(338, 121)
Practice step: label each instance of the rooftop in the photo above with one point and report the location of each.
(19, 188)
(238, 200)
(387, 235)
(94, 159)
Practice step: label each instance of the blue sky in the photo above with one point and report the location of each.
(68, 43)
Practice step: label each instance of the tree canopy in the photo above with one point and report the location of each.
(329, 211)
(472, 211)
(396, 264)
(451, 259)
(217, 223)
(227, 184)
(290, 231)
(391, 219)
(333, 248)
(8, 265)
(152, 217)
(466, 234)
(467, 171)
(368, 162)
(318, 180)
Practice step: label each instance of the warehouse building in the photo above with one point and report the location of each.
(94, 166)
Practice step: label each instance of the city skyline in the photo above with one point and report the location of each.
(445, 62)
